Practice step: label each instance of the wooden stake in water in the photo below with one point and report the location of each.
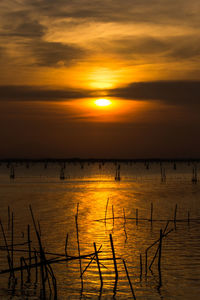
(129, 280)
(42, 255)
(36, 267)
(66, 244)
(29, 252)
(188, 217)
(22, 276)
(125, 225)
(106, 210)
(6, 246)
(140, 266)
(136, 216)
(159, 258)
(114, 258)
(98, 264)
(151, 212)
(146, 261)
(12, 243)
(79, 252)
(175, 212)
(113, 215)
(8, 217)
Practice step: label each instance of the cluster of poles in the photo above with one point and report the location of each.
(35, 261)
(117, 177)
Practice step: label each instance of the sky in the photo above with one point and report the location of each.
(58, 57)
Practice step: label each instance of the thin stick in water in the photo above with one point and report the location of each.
(22, 276)
(29, 251)
(8, 217)
(106, 210)
(114, 258)
(12, 242)
(125, 225)
(113, 215)
(98, 264)
(175, 212)
(129, 280)
(151, 212)
(6, 246)
(136, 216)
(78, 244)
(66, 244)
(159, 258)
(188, 217)
(140, 266)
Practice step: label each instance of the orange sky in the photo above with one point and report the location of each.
(58, 57)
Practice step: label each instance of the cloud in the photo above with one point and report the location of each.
(180, 93)
(24, 29)
(28, 93)
(55, 54)
(170, 92)
(151, 11)
(149, 48)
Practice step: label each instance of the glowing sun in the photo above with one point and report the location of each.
(102, 102)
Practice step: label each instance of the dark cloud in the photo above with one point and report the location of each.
(52, 54)
(138, 11)
(136, 46)
(26, 29)
(181, 93)
(27, 93)
(28, 34)
(167, 47)
(25, 24)
(171, 92)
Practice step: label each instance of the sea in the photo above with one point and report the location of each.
(143, 217)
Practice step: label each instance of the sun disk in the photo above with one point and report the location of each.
(102, 102)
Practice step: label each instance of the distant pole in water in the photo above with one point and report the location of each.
(12, 173)
(151, 212)
(117, 174)
(159, 258)
(140, 266)
(188, 217)
(163, 175)
(194, 174)
(114, 258)
(136, 216)
(62, 174)
(175, 212)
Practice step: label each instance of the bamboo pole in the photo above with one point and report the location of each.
(8, 217)
(114, 258)
(113, 215)
(151, 218)
(29, 251)
(98, 265)
(78, 244)
(129, 280)
(175, 212)
(136, 216)
(159, 258)
(141, 267)
(106, 211)
(12, 242)
(66, 244)
(6, 246)
(42, 256)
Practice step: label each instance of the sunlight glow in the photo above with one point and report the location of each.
(102, 102)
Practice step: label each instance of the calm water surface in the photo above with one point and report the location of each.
(54, 203)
